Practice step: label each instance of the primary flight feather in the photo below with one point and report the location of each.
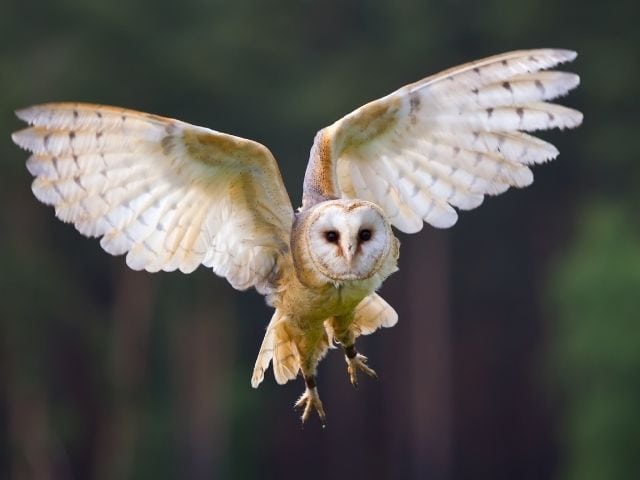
(171, 195)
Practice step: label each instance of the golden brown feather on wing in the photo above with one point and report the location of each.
(168, 194)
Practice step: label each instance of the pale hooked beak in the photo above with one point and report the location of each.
(349, 250)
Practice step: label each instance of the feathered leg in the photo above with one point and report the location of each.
(370, 314)
(356, 361)
(310, 400)
(344, 334)
(312, 345)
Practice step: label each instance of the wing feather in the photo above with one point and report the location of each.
(446, 141)
(170, 195)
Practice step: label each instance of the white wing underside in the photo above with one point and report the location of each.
(168, 194)
(449, 140)
(173, 196)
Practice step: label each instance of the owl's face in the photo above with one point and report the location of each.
(348, 239)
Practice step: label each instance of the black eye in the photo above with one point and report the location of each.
(364, 234)
(331, 236)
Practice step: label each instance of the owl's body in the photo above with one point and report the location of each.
(174, 196)
(312, 309)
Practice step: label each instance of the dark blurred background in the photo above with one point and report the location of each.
(517, 354)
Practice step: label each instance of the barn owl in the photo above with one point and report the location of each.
(173, 196)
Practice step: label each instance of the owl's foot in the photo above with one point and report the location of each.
(311, 400)
(355, 362)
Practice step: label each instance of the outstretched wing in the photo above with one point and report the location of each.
(447, 140)
(172, 195)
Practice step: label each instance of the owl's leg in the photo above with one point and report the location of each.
(355, 361)
(312, 346)
(310, 400)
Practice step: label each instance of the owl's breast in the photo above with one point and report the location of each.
(321, 303)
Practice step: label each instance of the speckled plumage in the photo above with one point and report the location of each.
(171, 195)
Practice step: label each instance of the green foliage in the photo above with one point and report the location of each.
(596, 344)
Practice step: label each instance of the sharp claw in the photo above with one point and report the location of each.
(323, 418)
(310, 401)
(359, 362)
(307, 412)
(301, 401)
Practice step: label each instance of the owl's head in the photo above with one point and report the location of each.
(348, 239)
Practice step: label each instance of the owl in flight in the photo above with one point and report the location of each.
(174, 196)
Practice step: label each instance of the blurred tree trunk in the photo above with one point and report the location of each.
(119, 428)
(419, 362)
(29, 429)
(200, 346)
(430, 347)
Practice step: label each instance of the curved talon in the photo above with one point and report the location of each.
(310, 400)
(359, 362)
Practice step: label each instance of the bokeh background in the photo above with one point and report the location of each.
(517, 354)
